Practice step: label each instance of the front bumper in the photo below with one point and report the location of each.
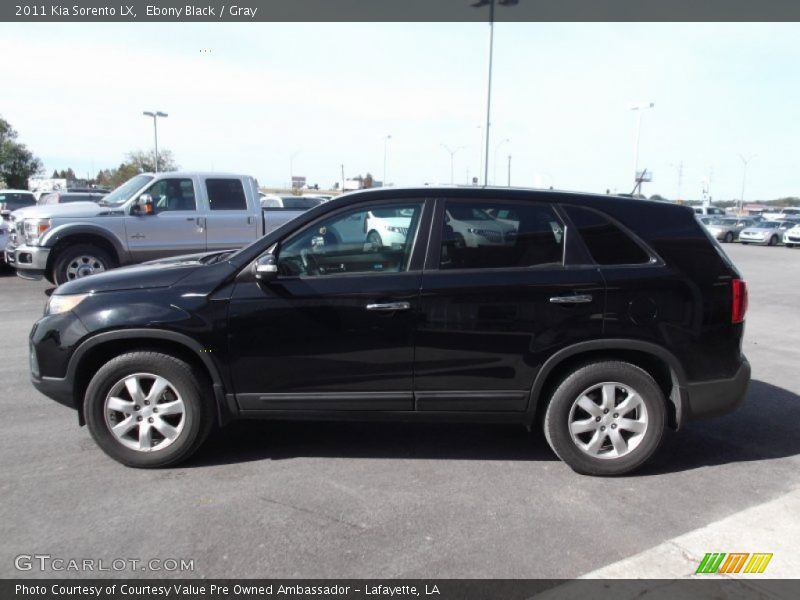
(763, 241)
(718, 397)
(791, 239)
(29, 261)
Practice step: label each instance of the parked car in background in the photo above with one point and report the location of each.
(592, 324)
(11, 200)
(765, 233)
(151, 216)
(783, 214)
(4, 228)
(726, 229)
(709, 210)
(71, 196)
(279, 210)
(791, 237)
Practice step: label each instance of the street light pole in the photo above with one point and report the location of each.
(639, 108)
(744, 179)
(155, 115)
(385, 150)
(491, 5)
(291, 168)
(496, 150)
(452, 154)
(509, 170)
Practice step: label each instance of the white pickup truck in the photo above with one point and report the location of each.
(151, 216)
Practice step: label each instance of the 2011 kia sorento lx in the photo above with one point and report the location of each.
(601, 319)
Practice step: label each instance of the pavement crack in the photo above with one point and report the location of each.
(314, 513)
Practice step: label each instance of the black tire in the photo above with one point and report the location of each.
(197, 399)
(573, 387)
(66, 261)
(728, 237)
(773, 241)
(374, 238)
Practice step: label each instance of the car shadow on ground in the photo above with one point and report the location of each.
(763, 428)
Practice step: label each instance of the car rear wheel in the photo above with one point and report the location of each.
(148, 409)
(80, 260)
(606, 418)
(729, 237)
(773, 241)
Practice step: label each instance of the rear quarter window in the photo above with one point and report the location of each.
(608, 243)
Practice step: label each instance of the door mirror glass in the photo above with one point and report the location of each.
(144, 205)
(266, 268)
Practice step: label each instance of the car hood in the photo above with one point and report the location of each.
(70, 209)
(156, 274)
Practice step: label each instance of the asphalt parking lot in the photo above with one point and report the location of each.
(391, 500)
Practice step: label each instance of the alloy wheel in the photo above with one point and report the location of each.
(608, 420)
(144, 412)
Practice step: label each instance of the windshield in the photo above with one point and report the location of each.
(723, 222)
(767, 225)
(124, 192)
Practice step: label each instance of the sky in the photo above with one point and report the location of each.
(270, 100)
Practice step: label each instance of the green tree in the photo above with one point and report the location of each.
(17, 163)
(54, 175)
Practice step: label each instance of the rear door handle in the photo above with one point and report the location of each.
(389, 306)
(576, 299)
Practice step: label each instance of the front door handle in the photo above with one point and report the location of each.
(576, 299)
(389, 306)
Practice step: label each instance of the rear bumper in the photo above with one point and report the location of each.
(718, 397)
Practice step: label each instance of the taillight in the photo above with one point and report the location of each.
(738, 301)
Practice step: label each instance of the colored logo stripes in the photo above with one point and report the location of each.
(735, 562)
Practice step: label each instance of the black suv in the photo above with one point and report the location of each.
(599, 318)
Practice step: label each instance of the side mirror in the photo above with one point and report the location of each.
(266, 268)
(144, 205)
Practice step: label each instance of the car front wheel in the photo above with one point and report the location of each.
(606, 418)
(148, 409)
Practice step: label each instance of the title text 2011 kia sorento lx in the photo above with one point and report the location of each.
(601, 319)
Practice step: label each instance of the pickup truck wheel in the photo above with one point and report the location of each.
(80, 260)
(148, 409)
(606, 418)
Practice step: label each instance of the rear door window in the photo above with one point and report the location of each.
(497, 234)
(226, 194)
(607, 242)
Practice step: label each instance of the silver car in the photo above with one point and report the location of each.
(766, 233)
(726, 229)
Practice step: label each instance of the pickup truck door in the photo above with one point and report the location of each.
(233, 212)
(176, 227)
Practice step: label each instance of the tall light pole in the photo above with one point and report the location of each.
(744, 178)
(291, 168)
(491, 4)
(639, 108)
(496, 149)
(509, 170)
(385, 151)
(155, 115)
(452, 154)
(480, 163)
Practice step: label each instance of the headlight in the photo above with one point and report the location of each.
(33, 229)
(60, 303)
